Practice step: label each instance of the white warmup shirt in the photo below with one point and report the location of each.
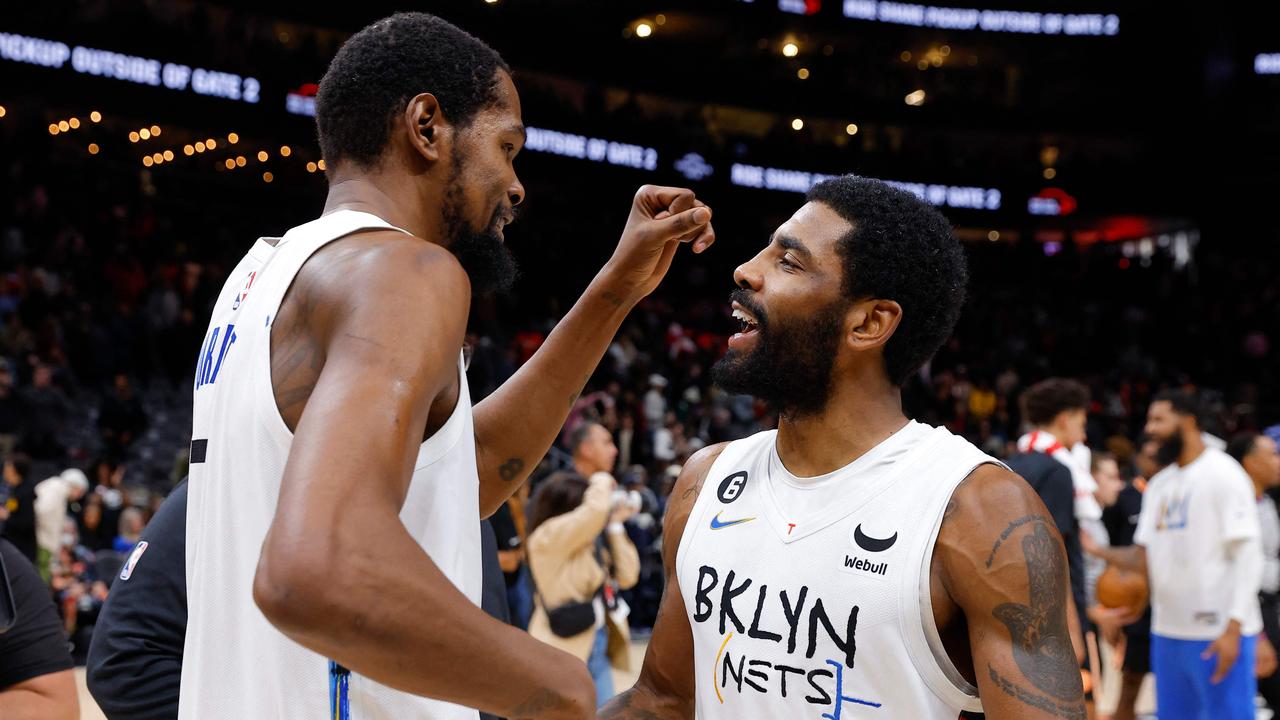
(1269, 525)
(1199, 524)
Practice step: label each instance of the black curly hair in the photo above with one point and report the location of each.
(379, 69)
(1049, 398)
(900, 249)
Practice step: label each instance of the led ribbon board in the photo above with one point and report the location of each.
(1008, 21)
(128, 68)
(589, 148)
(953, 196)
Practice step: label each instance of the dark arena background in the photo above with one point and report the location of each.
(1112, 169)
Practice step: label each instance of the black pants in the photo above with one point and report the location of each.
(1270, 686)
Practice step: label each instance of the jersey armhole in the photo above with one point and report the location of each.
(924, 641)
(301, 243)
(695, 514)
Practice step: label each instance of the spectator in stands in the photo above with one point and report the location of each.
(20, 510)
(644, 529)
(509, 532)
(110, 479)
(121, 418)
(572, 564)
(592, 449)
(1260, 459)
(131, 525)
(655, 402)
(36, 676)
(47, 410)
(95, 532)
(52, 496)
(628, 440)
(667, 439)
(12, 413)
(78, 589)
(982, 401)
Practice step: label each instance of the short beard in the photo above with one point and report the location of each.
(1168, 452)
(482, 254)
(791, 365)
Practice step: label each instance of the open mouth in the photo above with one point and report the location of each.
(500, 222)
(500, 226)
(748, 321)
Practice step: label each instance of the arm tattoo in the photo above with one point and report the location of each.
(613, 298)
(1009, 531)
(693, 489)
(951, 508)
(1041, 641)
(1066, 711)
(510, 470)
(622, 708)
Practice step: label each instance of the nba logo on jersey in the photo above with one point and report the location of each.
(244, 293)
(127, 572)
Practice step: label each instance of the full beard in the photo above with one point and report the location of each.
(1169, 450)
(482, 254)
(790, 366)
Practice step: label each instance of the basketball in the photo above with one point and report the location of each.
(1121, 588)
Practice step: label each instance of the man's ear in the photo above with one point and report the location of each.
(425, 128)
(871, 322)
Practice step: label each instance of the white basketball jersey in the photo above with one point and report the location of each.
(809, 598)
(236, 665)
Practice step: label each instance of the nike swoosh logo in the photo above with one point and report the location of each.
(716, 524)
(871, 544)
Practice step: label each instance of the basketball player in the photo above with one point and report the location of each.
(854, 562)
(338, 472)
(1198, 542)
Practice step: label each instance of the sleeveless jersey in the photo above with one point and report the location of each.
(810, 598)
(236, 664)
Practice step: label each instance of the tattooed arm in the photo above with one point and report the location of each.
(665, 688)
(1002, 563)
(519, 421)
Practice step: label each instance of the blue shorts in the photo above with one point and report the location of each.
(1183, 690)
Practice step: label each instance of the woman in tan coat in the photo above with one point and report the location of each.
(571, 563)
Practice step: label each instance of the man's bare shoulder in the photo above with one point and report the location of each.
(387, 263)
(685, 493)
(370, 297)
(693, 475)
(989, 492)
(991, 510)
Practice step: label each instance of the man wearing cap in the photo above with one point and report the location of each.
(655, 401)
(52, 496)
